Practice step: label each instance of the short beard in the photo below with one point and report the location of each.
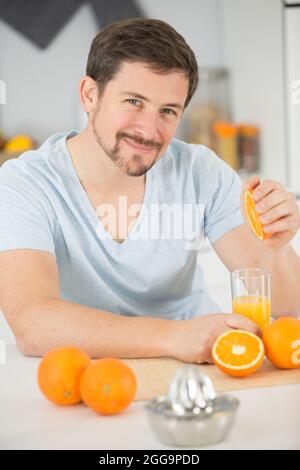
(114, 152)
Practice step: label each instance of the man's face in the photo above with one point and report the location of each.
(137, 116)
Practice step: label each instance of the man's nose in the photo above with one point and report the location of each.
(146, 125)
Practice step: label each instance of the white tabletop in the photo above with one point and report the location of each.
(268, 418)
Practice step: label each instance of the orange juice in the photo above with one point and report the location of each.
(256, 308)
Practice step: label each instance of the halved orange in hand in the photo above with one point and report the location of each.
(253, 216)
(238, 353)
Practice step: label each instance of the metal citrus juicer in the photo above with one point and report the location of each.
(191, 414)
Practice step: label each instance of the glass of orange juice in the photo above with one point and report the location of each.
(250, 290)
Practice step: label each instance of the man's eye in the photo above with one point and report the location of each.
(133, 101)
(169, 111)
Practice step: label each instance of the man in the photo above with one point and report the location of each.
(69, 274)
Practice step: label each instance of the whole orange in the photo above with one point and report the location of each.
(59, 374)
(282, 342)
(108, 386)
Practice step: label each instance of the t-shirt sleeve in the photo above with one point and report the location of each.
(222, 211)
(25, 221)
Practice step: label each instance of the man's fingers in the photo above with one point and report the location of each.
(289, 223)
(264, 188)
(284, 209)
(252, 182)
(273, 199)
(239, 322)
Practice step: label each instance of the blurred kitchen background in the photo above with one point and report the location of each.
(247, 107)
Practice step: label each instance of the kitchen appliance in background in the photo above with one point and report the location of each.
(291, 40)
(209, 104)
(208, 121)
(226, 142)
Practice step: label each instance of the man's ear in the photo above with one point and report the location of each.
(88, 89)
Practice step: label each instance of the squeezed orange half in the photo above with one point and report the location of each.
(253, 216)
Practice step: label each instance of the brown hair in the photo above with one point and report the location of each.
(151, 41)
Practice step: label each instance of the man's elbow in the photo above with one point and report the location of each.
(27, 338)
(27, 347)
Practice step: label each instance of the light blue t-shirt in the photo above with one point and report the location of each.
(43, 206)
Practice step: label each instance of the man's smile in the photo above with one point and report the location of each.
(141, 148)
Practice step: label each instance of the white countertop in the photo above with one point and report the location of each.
(268, 418)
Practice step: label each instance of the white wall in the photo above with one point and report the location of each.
(42, 85)
(196, 20)
(252, 41)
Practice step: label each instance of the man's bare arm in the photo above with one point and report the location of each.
(40, 320)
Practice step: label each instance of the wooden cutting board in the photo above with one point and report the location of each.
(154, 376)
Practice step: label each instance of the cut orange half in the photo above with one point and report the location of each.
(253, 216)
(238, 353)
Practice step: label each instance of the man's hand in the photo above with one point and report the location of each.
(279, 212)
(192, 340)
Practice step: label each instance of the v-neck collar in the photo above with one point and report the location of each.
(90, 210)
